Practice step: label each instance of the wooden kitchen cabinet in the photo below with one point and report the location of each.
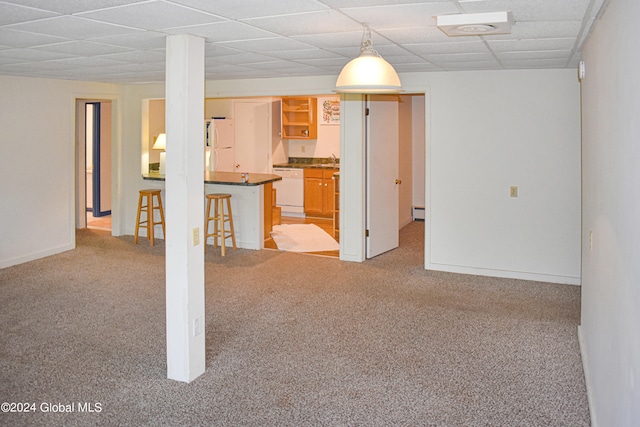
(299, 118)
(319, 192)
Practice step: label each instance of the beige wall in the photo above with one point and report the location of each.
(37, 164)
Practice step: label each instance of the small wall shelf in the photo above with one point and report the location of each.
(299, 118)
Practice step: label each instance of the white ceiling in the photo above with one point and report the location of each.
(122, 41)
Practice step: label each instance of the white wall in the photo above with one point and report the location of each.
(488, 131)
(37, 164)
(485, 132)
(610, 329)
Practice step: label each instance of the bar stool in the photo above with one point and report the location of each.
(146, 196)
(219, 218)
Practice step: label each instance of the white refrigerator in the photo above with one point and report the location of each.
(219, 145)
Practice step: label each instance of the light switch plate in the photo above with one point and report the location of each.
(196, 236)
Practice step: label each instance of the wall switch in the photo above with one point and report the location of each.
(590, 240)
(196, 236)
(513, 191)
(303, 149)
(197, 326)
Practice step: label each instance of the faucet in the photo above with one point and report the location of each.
(334, 159)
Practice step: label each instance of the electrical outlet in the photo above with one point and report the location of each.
(303, 149)
(513, 191)
(590, 240)
(196, 236)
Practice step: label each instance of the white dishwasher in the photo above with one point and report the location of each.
(290, 191)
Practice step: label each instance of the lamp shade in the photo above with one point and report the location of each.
(368, 73)
(161, 142)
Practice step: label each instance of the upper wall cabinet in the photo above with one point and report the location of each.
(299, 118)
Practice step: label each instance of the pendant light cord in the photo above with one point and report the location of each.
(366, 45)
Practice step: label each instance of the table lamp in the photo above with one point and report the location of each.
(161, 144)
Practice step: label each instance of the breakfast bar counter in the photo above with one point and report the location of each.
(250, 201)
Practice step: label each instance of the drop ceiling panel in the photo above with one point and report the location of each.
(139, 56)
(459, 57)
(151, 15)
(460, 47)
(531, 44)
(253, 8)
(91, 62)
(13, 14)
(71, 27)
(224, 31)
(298, 55)
(244, 58)
(540, 54)
(365, 3)
(83, 48)
(137, 40)
(326, 21)
(401, 16)
(268, 45)
(271, 38)
(71, 6)
(534, 63)
(541, 30)
(533, 10)
(350, 39)
(33, 54)
(26, 39)
(418, 35)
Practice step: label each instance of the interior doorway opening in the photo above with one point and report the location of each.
(93, 149)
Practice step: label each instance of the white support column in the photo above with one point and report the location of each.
(184, 186)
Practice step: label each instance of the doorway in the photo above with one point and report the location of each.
(93, 142)
(395, 167)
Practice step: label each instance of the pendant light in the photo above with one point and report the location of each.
(369, 72)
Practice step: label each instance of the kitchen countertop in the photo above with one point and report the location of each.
(307, 165)
(228, 178)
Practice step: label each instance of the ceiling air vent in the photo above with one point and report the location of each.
(475, 24)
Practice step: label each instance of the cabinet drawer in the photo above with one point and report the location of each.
(328, 173)
(313, 173)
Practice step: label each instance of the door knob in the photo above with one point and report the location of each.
(398, 181)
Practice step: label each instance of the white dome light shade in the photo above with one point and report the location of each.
(368, 73)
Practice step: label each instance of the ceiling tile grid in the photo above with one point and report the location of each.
(123, 41)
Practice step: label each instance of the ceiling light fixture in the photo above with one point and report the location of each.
(369, 72)
(475, 24)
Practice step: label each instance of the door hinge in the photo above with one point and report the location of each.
(366, 233)
(366, 111)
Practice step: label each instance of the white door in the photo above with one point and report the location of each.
(382, 174)
(252, 136)
(224, 145)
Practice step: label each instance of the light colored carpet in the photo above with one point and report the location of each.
(303, 238)
(291, 340)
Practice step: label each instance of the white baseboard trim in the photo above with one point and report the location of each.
(564, 280)
(587, 376)
(36, 255)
